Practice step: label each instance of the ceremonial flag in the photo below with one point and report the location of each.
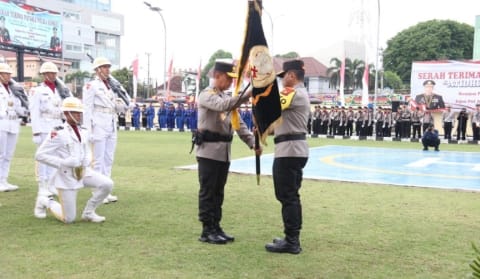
(169, 78)
(341, 98)
(365, 84)
(135, 77)
(255, 59)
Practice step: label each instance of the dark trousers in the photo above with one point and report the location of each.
(447, 127)
(212, 176)
(287, 180)
(416, 129)
(433, 142)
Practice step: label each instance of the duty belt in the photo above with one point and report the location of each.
(104, 110)
(283, 138)
(208, 136)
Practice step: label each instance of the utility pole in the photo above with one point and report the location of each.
(148, 73)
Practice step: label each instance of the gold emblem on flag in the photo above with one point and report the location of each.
(261, 67)
(10, 103)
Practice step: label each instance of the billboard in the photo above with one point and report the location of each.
(30, 27)
(454, 83)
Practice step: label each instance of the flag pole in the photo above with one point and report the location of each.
(257, 157)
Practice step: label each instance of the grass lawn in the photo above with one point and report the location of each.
(351, 230)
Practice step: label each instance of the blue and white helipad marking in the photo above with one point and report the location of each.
(444, 169)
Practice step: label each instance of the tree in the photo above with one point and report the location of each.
(392, 80)
(124, 76)
(78, 79)
(353, 73)
(219, 54)
(289, 55)
(430, 40)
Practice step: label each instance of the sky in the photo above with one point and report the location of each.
(195, 29)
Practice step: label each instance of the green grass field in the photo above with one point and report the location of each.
(351, 230)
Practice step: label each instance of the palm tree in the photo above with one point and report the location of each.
(333, 72)
(78, 80)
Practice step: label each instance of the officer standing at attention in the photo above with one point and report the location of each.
(213, 139)
(11, 111)
(101, 108)
(475, 118)
(67, 149)
(46, 113)
(291, 156)
(448, 121)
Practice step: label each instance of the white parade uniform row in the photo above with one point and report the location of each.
(11, 112)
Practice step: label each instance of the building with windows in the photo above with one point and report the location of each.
(88, 26)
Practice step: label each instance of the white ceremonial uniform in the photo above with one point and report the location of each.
(71, 157)
(10, 112)
(45, 113)
(100, 118)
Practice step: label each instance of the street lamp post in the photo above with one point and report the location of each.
(159, 11)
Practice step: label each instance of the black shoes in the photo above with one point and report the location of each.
(280, 245)
(218, 236)
(212, 238)
(229, 238)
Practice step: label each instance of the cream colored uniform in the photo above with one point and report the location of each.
(10, 112)
(71, 158)
(46, 113)
(100, 118)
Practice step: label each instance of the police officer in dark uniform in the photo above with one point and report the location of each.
(430, 138)
(428, 98)
(55, 43)
(213, 139)
(4, 34)
(291, 156)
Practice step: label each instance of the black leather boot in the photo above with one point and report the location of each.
(220, 232)
(210, 235)
(288, 245)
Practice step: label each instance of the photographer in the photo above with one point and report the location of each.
(430, 138)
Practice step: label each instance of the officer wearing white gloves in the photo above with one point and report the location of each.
(67, 149)
(45, 113)
(100, 118)
(11, 111)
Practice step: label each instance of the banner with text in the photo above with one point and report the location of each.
(30, 26)
(455, 83)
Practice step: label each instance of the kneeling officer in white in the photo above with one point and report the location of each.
(67, 150)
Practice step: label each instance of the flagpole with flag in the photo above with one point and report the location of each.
(341, 98)
(255, 58)
(169, 78)
(365, 78)
(135, 77)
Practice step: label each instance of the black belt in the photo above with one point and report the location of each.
(208, 136)
(283, 138)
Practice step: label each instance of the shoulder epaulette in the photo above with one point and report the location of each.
(212, 91)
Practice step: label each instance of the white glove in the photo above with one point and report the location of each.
(37, 139)
(71, 162)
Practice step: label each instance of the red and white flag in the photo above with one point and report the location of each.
(365, 84)
(135, 77)
(170, 69)
(341, 98)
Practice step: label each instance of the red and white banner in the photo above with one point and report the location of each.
(457, 82)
